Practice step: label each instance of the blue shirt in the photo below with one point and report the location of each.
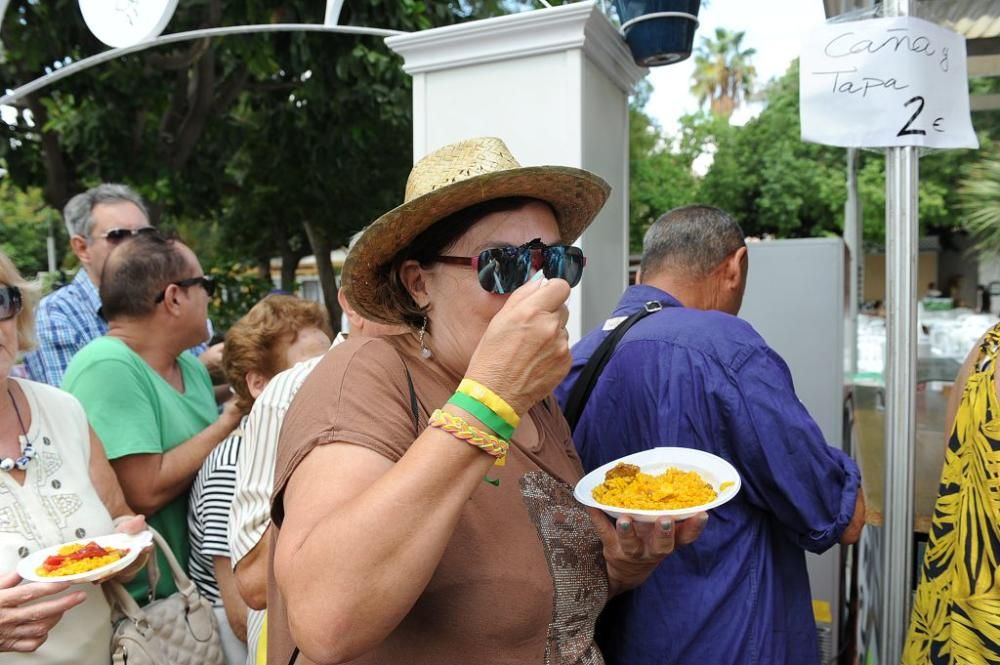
(66, 320)
(707, 380)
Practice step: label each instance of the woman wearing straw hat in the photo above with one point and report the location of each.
(423, 493)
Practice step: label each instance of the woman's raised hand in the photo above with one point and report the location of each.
(25, 621)
(525, 352)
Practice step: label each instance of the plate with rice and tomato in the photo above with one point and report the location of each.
(660, 482)
(84, 560)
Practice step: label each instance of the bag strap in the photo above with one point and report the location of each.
(414, 408)
(587, 379)
(122, 599)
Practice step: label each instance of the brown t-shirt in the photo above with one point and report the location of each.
(523, 578)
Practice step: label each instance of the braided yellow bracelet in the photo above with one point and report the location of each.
(494, 402)
(460, 429)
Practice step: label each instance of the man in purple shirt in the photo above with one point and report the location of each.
(695, 375)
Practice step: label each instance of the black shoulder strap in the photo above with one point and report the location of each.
(414, 409)
(587, 379)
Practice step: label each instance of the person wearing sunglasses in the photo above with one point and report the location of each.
(692, 373)
(97, 221)
(150, 402)
(55, 486)
(423, 508)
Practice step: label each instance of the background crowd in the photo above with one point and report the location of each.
(321, 492)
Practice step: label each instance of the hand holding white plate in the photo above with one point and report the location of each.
(135, 543)
(715, 470)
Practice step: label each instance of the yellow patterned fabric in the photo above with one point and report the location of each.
(956, 612)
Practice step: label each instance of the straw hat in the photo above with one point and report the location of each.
(451, 179)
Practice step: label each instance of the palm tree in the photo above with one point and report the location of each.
(723, 74)
(979, 194)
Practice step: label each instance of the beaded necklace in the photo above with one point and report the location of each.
(27, 447)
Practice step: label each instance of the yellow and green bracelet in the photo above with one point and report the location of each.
(484, 414)
(491, 400)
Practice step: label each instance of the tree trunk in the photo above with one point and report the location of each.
(264, 267)
(289, 265)
(57, 177)
(322, 248)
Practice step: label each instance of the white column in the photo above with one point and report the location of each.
(554, 85)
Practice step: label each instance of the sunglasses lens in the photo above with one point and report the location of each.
(503, 269)
(115, 236)
(10, 302)
(209, 285)
(564, 262)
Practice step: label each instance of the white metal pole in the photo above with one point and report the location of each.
(332, 15)
(50, 248)
(853, 239)
(902, 243)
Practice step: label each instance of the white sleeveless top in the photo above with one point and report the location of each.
(57, 503)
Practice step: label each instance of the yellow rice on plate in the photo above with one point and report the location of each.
(625, 486)
(70, 566)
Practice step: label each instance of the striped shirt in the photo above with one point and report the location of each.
(67, 320)
(251, 508)
(208, 513)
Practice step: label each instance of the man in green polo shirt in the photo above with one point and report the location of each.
(149, 401)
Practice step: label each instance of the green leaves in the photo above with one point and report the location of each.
(24, 225)
(980, 198)
(776, 184)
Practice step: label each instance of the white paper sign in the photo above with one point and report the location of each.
(121, 23)
(883, 83)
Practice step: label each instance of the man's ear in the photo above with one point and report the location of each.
(734, 272)
(413, 278)
(80, 247)
(170, 300)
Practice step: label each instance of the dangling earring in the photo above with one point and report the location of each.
(425, 353)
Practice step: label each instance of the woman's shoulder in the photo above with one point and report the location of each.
(361, 356)
(49, 396)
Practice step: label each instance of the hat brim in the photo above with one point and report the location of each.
(575, 195)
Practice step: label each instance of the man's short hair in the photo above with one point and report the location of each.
(78, 213)
(137, 271)
(693, 239)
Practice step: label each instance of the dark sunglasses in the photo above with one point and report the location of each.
(10, 302)
(115, 236)
(205, 281)
(503, 269)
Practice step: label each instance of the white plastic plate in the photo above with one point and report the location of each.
(27, 566)
(712, 468)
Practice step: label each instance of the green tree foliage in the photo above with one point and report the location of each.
(24, 226)
(724, 76)
(980, 196)
(776, 184)
(279, 144)
(660, 177)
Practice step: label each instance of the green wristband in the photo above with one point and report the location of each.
(484, 414)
